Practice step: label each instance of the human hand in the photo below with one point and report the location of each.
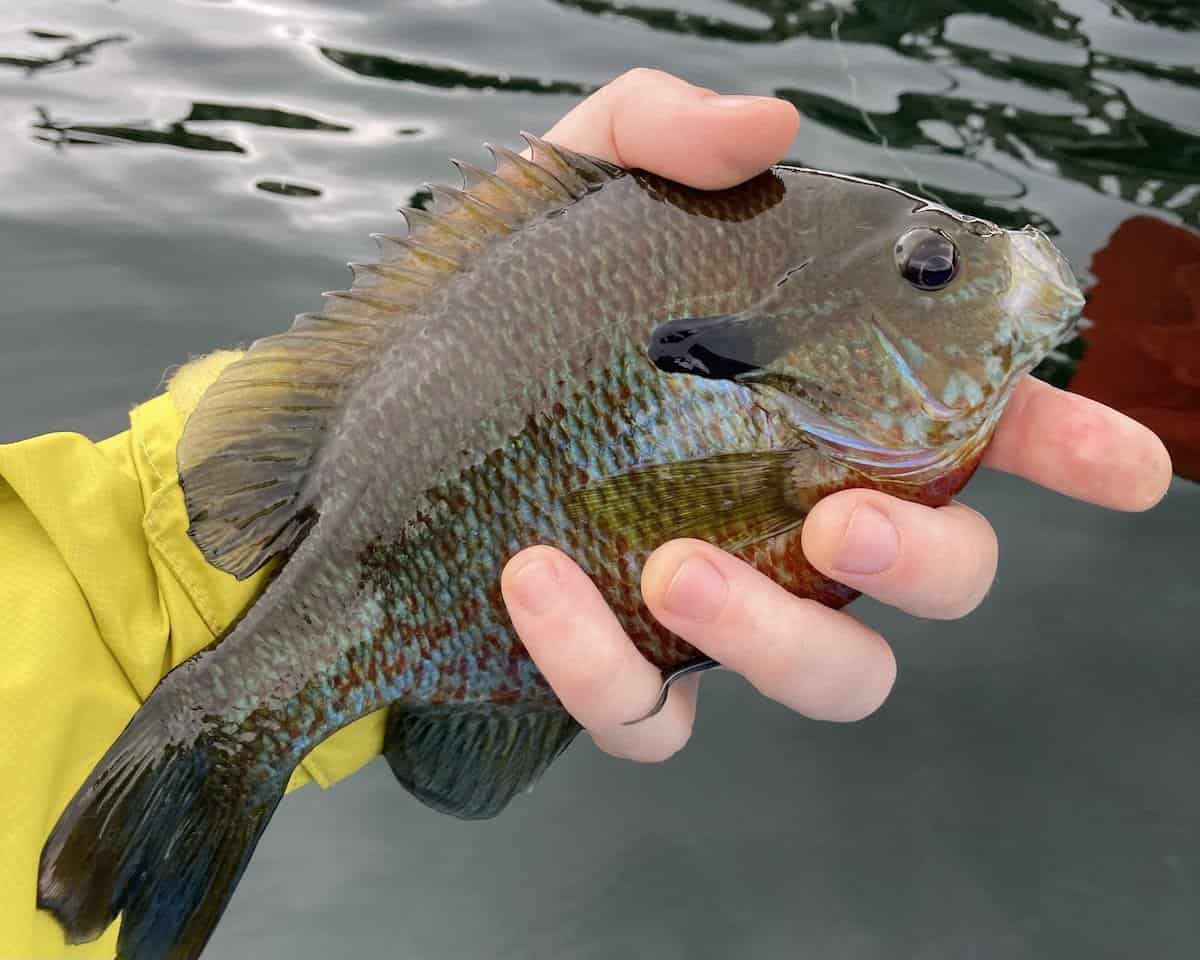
(928, 562)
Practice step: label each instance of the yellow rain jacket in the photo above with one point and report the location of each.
(101, 592)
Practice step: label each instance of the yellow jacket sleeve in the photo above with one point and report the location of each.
(101, 592)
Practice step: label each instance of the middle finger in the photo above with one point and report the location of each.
(810, 658)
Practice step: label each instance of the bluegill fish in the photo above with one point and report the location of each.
(563, 352)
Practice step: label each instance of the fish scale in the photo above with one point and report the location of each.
(564, 353)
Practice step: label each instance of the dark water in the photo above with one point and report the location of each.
(178, 176)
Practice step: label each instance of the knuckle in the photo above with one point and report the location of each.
(598, 677)
(776, 669)
(782, 651)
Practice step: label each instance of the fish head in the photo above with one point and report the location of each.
(894, 332)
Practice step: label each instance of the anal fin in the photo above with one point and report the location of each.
(470, 760)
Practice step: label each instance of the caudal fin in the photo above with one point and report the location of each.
(160, 833)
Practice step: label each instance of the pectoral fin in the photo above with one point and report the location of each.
(470, 760)
(731, 500)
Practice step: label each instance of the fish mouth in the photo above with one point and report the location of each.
(1044, 297)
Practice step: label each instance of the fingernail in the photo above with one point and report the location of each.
(735, 102)
(870, 542)
(697, 591)
(535, 586)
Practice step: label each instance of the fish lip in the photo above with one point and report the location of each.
(1051, 269)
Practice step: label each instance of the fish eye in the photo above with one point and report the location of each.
(927, 258)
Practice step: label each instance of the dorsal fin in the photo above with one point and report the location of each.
(251, 445)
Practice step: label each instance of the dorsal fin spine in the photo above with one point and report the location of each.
(430, 257)
(550, 160)
(450, 201)
(358, 301)
(591, 170)
(480, 183)
(395, 256)
(332, 338)
(390, 277)
(332, 321)
(533, 178)
(439, 231)
(253, 361)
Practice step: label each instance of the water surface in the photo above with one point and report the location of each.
(179, 176)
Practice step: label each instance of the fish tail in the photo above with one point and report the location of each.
(160, 833)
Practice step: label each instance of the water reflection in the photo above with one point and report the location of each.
(380, 67)
(784, 19)
(286, 188)
(988, 106)
(1179, 14)
(71, 56)
(995, 108)
(261, 117)
(61, 133)
(1113, 148)
(1104, 136)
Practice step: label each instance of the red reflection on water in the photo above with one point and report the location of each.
(1143, 355)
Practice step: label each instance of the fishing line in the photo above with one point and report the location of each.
(835, 34)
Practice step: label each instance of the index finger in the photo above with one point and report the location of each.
(1079, 447)
(654, 121)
